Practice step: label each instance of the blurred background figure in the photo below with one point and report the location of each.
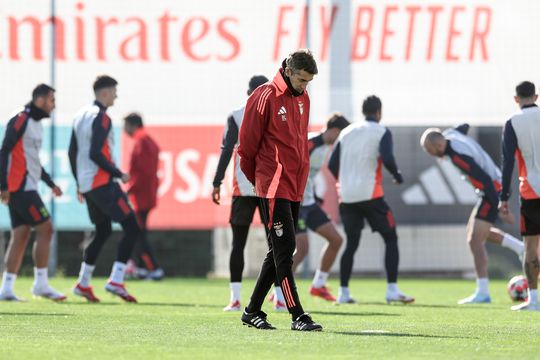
(142, 192)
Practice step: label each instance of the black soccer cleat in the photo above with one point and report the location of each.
(257, 320)
(305, 323)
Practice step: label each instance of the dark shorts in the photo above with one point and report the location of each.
(376, 212)
(26, 208)
(484, 210)
(530, 217)
(311, 217)
(108, 203)
(242, 209)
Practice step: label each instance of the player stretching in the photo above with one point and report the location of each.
(312, 216)
(521, 139)
(20, 173)
(90, 156)
(274, 157)
(356, 162)
(469, 157)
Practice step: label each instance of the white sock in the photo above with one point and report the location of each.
(392, 288)
(235, 291)
(533, 296)
(512, 243)
(40, 277)
(117, 273)
(344, 292)
(8, 280)
(319, 280)
(85, 275)
(482, 286)
(278, 294)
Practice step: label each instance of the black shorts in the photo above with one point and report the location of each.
(376, 212)
(106, 203)
(26, 208)
(530, 217)
(311, 217)
(484, 210)
(242, 209)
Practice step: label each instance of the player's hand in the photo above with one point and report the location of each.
(57, 191)
(398, 179)
(216, 196)
(505, 214)
(125, 178)
(4, 196)
(80, 197)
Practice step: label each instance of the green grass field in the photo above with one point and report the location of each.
(183, 319)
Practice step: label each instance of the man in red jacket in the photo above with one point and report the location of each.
(142, 191)
(274, 157)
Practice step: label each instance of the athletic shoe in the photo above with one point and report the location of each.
(345, 300)
(131, 270)
(322, 292)
(85, 292)
(280, 306)
(476, 298)
(305, 323)
(10, 296)
(527, 306)
(256, 320)
(48, 292)
(233, 306)
(120, 291)
(399, 297)
(157, 274)
(141, 273)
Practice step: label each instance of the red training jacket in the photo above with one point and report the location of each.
(143, 168)
(273, 145)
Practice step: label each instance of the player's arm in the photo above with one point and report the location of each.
(256, 116)
(463, 128)
(333, 162)
(46, 178)
(509, 147)
(14, 131)
(478, 177)
(100, 131)
(386, 151)
(230, 138)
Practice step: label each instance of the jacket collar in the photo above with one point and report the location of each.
(100, 105)
(35, 112)
(139, 133)
(283, 83)
(528, 106)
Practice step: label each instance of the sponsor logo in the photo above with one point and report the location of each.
(283, 113)
(301, 107)
(278, 228)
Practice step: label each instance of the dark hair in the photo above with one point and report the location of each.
(338, 121)
(134, 119)
(525, 89)
(302, 60)
(371, 105)
(41, 90)
(104, 81)
(256, 81)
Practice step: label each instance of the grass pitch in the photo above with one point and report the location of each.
(183, 319)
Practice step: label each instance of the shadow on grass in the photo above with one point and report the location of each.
(391, 334)
(33, 314)
(416, 305)
(337, 313)
(209, 306)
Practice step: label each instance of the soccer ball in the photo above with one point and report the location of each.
(517, 288)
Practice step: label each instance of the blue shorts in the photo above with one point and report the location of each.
(311, 217)
(26, 208)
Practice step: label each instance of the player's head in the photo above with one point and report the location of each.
(255, 82)
(336, 122)
(300, 68)
(132, 122)
(525, 93)
(372, 108)
(105, 90)
(433, 142)
(43, 98)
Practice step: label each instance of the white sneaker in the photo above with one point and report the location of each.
(233, 306)
(280, 306)
(157, 274)
(345, 300)
(476, 298)
(48, 292)
(526, 306)
(10, 296)
(399, 297)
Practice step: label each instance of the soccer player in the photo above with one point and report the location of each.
(142, 191)
(274, 156)
(20, 173)
(469, 157)
(520, 140)
(244, 203)
(356, 162)
(312, 216)
(90, 156)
